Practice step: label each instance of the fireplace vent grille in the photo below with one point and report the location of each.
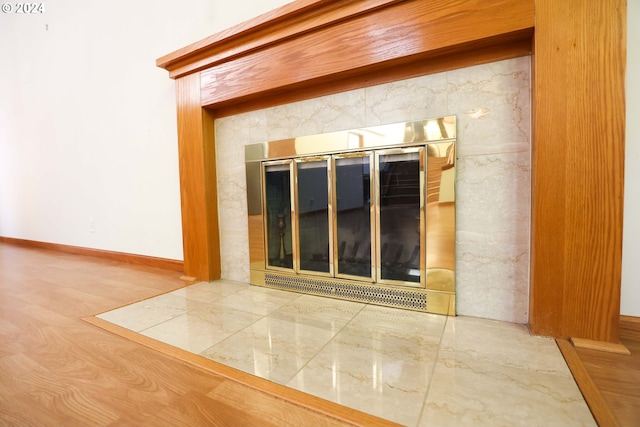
(400, 298)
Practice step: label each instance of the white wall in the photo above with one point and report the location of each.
(88, 145)
(630, 299)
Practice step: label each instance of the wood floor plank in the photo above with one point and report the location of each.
(234, 396)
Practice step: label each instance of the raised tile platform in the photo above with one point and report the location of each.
(417, 369)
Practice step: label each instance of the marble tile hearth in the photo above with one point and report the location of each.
(417, 369)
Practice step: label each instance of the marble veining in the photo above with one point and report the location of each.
(149, 312)
(271, 348)
(492, 103)
(197, 330)
(417, 369)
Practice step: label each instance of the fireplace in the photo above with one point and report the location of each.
(365, 214)
(291, 54)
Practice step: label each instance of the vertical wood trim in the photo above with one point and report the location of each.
(578, 168)
(198, 197)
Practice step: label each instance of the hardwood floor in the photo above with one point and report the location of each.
(56, 369)
(617, 377)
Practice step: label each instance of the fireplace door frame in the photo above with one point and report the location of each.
(416, 156)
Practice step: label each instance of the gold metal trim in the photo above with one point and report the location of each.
(403, 134)
(433, 139)
(295, 239)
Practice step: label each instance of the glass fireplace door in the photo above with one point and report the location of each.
(354, 216)
(368, 231)
(400, 215)
(313, 215)
(277, 213)
(365, 215)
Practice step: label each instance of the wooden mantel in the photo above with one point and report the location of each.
(310, 48)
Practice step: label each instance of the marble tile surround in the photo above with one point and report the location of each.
(492, 104)
(417, 369)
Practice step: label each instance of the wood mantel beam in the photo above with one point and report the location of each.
(385, 28)
(286, 22)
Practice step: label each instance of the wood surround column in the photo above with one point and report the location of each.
(578, 168)
(198, 197)
(310, 48)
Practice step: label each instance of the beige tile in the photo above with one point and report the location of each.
(403, 322)
(491, 373)
(379, 371)
(326, 313)
(270, 348)
(493, 105)
(492, 236)
(210, 291)
(257, 300)
(503, 343)
(198, 330)
(467, 391)
(150, 312)
(329, 113)
(407, 100)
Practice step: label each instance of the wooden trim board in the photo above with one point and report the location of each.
(596, 402)
(198, 189)
(600, 346)
(164, 263)
(577, 185)
(630, 327)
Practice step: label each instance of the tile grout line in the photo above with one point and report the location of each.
(263, 316)
(325, 345)
(435, 364)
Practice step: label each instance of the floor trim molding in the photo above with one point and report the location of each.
(630, 327)
(313, 403)
(164, 263)
(609, 347)
(596, 402)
